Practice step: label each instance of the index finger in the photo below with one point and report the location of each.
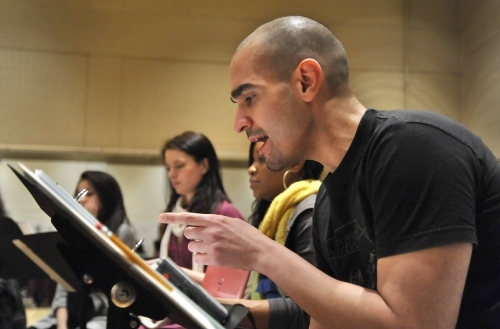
(188, 218)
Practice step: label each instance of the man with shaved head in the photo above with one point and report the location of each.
(281, 50)
(406, 224)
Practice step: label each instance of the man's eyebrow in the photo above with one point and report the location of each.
(238, 91)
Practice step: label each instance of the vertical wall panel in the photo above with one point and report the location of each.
(432, 57)
(435, 92)
(480, 68)
(437, 15)
(479, 22)
(372, 48)
(102, 115)
(433, 51)
(380, 90)
(164, 98)
(42, 97)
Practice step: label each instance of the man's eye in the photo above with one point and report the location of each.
(249, 99)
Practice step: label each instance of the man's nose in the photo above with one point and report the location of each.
(241, 122)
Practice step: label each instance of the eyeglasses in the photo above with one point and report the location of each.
(81, 195)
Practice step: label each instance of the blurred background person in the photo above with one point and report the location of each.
(104, 200)
(195, 184)
(283, 208)
(12, 312)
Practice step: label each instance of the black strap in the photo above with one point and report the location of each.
(236, 313)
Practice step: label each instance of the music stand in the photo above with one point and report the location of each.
(132, 286)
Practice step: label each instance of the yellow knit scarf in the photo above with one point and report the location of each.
(275, 221)
(281, 209)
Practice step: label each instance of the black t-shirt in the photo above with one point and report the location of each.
(413, 180)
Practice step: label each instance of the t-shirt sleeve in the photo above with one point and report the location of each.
(420, 186)
(300, 238)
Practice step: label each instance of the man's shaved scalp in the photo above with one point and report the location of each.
(283, 43)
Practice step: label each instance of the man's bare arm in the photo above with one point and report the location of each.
(315, 325)
(415, 290)
(421, 289)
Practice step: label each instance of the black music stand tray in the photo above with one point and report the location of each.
(14, 264)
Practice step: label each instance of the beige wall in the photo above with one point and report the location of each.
(119, 77)
(480, 68)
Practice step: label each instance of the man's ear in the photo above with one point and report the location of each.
(308, 79)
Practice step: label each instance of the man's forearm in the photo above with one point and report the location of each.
(419, 289)
(414, 289)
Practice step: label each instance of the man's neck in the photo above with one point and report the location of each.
(336, 130)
